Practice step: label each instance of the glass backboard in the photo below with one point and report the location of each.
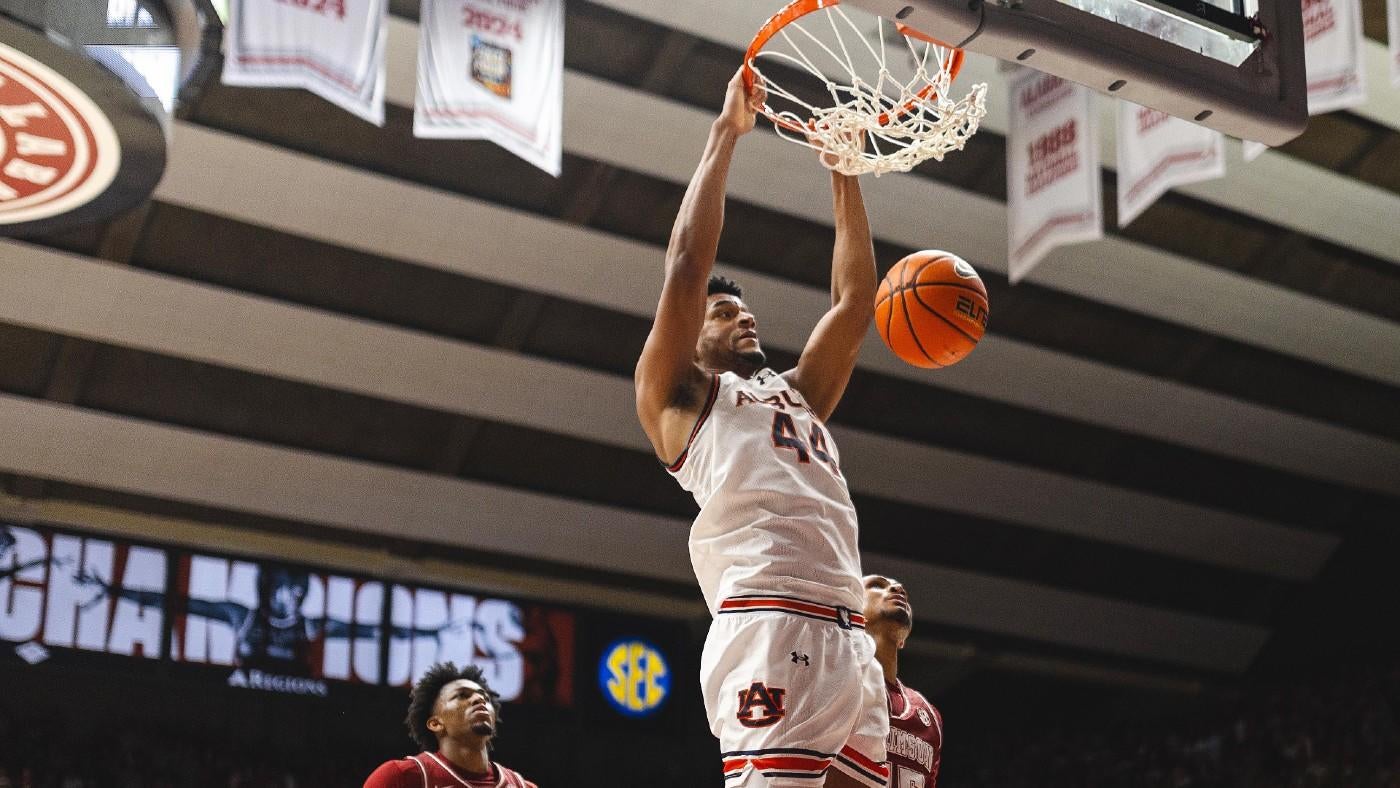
(1233, 65)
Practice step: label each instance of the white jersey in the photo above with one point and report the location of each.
(775, 514)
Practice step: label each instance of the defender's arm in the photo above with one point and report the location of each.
(826, 363)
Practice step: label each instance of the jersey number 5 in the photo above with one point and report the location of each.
(785, 437)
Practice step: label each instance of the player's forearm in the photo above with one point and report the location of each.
(695, 236)
(853, 279)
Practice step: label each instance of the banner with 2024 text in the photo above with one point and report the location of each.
(1157, 152)
(1052, 169)
(1334, 50)
(333, 48)
(494, 70)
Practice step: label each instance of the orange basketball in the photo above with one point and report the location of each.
(931, 309)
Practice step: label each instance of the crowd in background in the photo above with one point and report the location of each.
(1341, 729)
(46, 754)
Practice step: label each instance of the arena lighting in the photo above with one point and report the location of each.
(92, 85)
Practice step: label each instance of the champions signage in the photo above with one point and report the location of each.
(266, 626)
(76, 144)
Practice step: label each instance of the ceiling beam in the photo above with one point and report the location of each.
(70, 444)
(228, 176)
(73, 296)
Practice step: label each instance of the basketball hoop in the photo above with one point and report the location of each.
(889, 122)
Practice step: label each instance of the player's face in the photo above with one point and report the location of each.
(463, 708)
(886, 599)
(729, 337)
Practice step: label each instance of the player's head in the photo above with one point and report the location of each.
(452, 703)
(281, 590)
(887, 609)
(729, 337)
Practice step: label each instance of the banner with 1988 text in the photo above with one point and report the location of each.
(1052, 169)
(333, 48)
(494, 70)
(1157, 152)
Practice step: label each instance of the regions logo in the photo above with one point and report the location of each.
(58, 150)
(634, 677)
(491, 66)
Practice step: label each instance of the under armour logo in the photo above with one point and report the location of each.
(803, 658)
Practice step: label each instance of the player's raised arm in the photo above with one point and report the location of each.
(826, 363)
(666, 371)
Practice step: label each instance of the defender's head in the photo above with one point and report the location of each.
(887, 607)
(452, 703)
(728, 339)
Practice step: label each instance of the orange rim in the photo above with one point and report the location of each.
(800, 8)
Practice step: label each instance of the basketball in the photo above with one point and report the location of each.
(931, 309)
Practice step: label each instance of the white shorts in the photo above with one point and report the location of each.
(792, 688)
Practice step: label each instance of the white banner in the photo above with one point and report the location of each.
(494, 70)
(1392, 24)
(1332, 44)
(1156, 152)
(333, 48)
(1052, 168)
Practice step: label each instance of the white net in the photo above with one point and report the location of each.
(888, 122)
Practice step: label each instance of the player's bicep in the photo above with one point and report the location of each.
(826, 363)
(667, 362)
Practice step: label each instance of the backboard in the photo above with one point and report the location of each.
(1232, 65)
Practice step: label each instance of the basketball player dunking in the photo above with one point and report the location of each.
(791, 686)
(915, 744)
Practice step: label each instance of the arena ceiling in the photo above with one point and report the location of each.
(1174, 459)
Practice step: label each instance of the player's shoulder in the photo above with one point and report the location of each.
(513, 779)
(918, 699)
(401, 773)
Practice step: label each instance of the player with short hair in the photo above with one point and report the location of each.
(791, 685)
(453, 715)
(915, 743)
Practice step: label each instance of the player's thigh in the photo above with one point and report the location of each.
(862, 759)
(783, 692)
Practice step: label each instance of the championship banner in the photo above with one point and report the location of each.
(333, 48)
(525, 651)
(64, 596)
(281, 628)
(1332, 44)
(70, 599)
(1157, 152)
(493, 70)
(1052, 169)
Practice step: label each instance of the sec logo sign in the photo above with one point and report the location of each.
(58, 150)
(634, 677)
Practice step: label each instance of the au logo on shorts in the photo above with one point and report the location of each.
(760, 705)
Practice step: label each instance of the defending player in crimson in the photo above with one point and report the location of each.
(791, 685)
(453, 715)
(915, 744)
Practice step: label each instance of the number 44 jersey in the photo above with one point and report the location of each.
(775, 515)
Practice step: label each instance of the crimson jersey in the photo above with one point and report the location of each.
(915, 742)
(431, 770)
